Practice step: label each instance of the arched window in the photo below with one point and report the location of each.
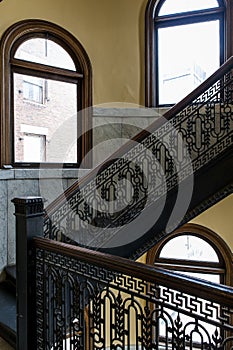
(46, 89)
(186, 41)
(196, 251)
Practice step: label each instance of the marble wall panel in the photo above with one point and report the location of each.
(50, 189)
(115, 126)
(6, 174)
(48, 183)
(81, 173)
(106, 137)
(132, 126)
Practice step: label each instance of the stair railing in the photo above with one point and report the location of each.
(106, 209)
(81, 299)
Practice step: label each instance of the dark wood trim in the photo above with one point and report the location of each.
(11, 39)
(216, 242)
(191, 263)
(25, 67)
(150, 68)
(189, 268)
(229, 28)
(194, 286)
(188, 17)
(152, 21)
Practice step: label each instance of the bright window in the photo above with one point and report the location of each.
(196, 251)
(186, 57)
(47, 85)
(34, 148)
(178, 6)
(45, 51)
(188, 247)
(185, 44)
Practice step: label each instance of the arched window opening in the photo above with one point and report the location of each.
(185, 44)
(196, 251)
(170, 7)
(45, 94)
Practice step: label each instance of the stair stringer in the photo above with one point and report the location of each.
(201, 128)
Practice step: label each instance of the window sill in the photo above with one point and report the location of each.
(10, 174)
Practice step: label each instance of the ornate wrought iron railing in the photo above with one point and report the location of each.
(90, 300)
(156, 181)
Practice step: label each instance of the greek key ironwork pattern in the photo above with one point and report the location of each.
(86, 306)
(120, 192)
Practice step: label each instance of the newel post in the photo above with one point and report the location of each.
(29, 213)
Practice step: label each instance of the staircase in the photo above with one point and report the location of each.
(152, 185)
(8, 306)
(168, 174)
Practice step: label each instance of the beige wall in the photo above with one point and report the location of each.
(219, 219)
(111, 31)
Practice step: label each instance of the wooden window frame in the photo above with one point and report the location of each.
(11, 40)
(224, 268)
(152, 22)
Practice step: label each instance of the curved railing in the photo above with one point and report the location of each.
(164, 176)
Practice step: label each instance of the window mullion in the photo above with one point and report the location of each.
(190, 268)
(199, 13)
(31, 68)
(188, 18)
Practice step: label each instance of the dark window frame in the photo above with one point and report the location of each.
(153, 22)
(11, 40)
(224, 268)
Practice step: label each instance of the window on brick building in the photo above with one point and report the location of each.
(34, 148)
(186, 41)
(33, 91)
(46, 92)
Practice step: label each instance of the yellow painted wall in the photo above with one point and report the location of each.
(219, 219)
(111, 31)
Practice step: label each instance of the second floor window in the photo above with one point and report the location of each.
(185, 45)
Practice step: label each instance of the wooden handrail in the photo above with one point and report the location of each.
(190, 285)
(139, 137)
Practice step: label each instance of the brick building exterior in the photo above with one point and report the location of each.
(42, 108)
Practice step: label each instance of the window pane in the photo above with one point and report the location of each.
(172, 6)
(205, 276)
(45, 132)
(187, 55)
(189, 247)
(34, 148)
(33, 90)
(46, 52)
